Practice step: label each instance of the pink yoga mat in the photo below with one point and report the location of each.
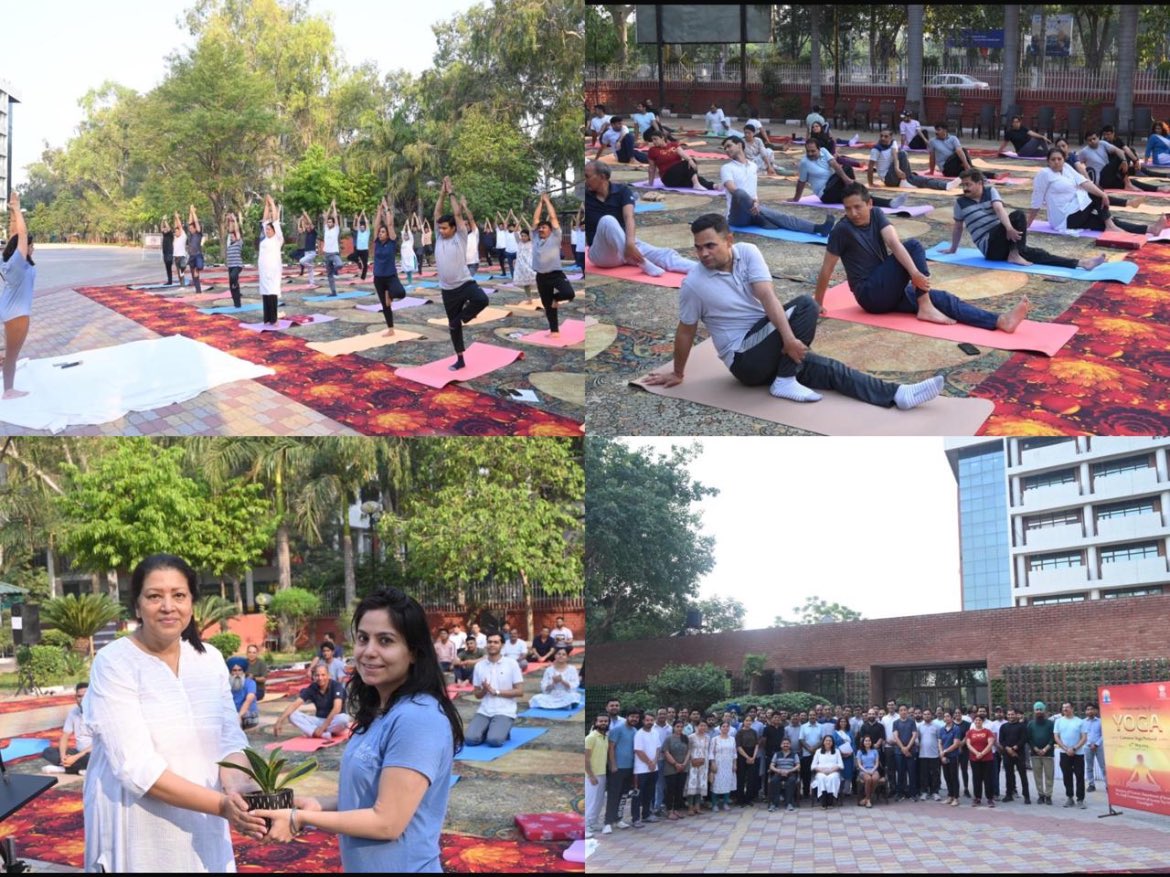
(204, 296)
(480, 359)
(1046, 338)
(1126, 192)
(671, 279)
(305, 744)
(286, 324)
(658, 187)
(916, 210)
(572, 332)
(713, 155)
(1001, 181)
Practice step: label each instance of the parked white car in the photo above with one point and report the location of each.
(956, 80)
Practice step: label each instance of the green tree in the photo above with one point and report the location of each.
(689, 684)
(492, 164)
(814, 610)
(644, 553)
(721, 614)
(292, 608)
(232, 533)
(81, 617)
(212, 609)
(317, 179)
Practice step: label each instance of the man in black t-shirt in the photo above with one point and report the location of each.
(328, 700)
(542, 646)
(610, 234)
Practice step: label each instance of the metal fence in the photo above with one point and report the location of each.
(437, 598)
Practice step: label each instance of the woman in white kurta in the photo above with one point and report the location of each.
(523, 274)
(161, 711)
(827, 767)
(722, 759)
(696, 789)
(269, 261)
(409, 260)
(558, 686)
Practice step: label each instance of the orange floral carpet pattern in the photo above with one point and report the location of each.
(51, 828)
(33, 703)
(363, 394)
(1112, 378)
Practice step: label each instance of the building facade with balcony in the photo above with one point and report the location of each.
(7, 100)
(1061, 520)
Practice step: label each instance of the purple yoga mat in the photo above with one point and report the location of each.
(286, 324)
(916, 210)
(408, 302)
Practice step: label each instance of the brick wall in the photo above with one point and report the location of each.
(1100, 630)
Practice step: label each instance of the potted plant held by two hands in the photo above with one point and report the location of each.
(274, 791)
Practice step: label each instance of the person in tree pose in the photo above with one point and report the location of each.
(234, 256)
(361, 243)
(462, 297)
(269, 260)
(332, 249)
(386, 282)
(18, 276)
(551, 282)
(309, 257)
(180, 249)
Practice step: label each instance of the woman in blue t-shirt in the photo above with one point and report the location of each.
(361, 243)
(18, 275)
(386, 282)
(396, 769)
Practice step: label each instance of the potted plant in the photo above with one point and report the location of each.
(274, 790)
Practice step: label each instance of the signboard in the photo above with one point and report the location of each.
(1058, 31)
(977, 39)
(1135, 727)
(152, 241)
(703, 23)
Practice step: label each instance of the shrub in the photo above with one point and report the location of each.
(291, 608)
(227, 643)
(689, 684)
(793, 701)
(57, 638)
(41, 665)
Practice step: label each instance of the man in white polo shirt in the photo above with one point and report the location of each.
(516, 649)
(739, 177)
(761, 341)
(498, 682)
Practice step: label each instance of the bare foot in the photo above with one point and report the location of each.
(1158, 227)
(552, 334)
(1135, 202)
(1010, 321)
(389, 333)
(1090, 262)
(1014, 258)
(14, 394)
(928, 313)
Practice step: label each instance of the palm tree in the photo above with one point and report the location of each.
(213, 609)
(1011, 56)
(81, 617)
(1126, 64)
(399, 153)
(914, 31)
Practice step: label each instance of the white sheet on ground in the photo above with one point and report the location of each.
(110, 382)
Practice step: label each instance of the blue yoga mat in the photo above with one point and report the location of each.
(231, 309)
(648, 207)
(781, 234)
(453, 780)
(1123, 272)
(355, 294)
(21, 747)
(483, 752)
(567, 713)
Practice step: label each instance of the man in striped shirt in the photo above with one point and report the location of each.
(999, 235)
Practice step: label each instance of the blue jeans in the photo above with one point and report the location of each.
(907, 769)
(1096, 758)
(888, 288)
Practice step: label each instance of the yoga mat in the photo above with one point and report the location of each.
(905, 209)
(367, 341)
(1123, 192)
(580, 850)
(1015, 157)
(658, 187)
(650, 207)
(328, 297)
(149, 286)
(109, 382)
(572, 332)
(22, 747)
(1122, 272)
(781, 234)
(483, 752)
(533, 305)
(205, 296)
(487, 315)
(671, 279)
(480, 359)
(708, 382)
(231, 309)
(717, 156)
(305, 744)
(408, 302)
(567, 713)
(1046, 338)
(287, 324)
(1042, 226)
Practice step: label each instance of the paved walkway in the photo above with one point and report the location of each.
(908, 837)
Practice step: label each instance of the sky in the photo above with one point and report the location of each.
(58, 51)
(842, 519)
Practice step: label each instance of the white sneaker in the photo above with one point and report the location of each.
(52, 768)
(588, 833)
(623, 824)
(607, 829)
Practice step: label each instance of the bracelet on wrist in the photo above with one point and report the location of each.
(292, 823)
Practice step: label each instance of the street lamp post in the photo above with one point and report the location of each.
(373, 510)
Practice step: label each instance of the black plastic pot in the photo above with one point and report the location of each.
(281, 800)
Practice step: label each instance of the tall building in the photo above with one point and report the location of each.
(7, 99)
(1061, 520)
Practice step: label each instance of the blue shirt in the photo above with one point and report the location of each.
(816, 172)
(642, 120)
(811, 736)
(622, 738)
(904, 729)
(384, 259)
(414, 734)
(1068, 731)
(238, 697)
(19, 277)
(361, 239)
(946, 738)
(867, 759)
(1093, 729)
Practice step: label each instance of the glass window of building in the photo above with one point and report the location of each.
(1122, 553)
(1052, 519)
(1062, 560)
(829, 684)
(1063, 598)
(1152, 591)
(1122, 465)
(1049, 479)
(1129, 508)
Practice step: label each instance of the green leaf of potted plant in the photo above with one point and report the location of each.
(273, 780)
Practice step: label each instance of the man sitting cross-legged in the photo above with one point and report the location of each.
(740, 178)
(609, 228)
(761, 341)
(887, 275)
(71, 759)
(999, 235)
(892, 167)
(498, 682)
(328, 700)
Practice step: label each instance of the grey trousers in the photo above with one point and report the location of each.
(493, 731)
(609, 244)
(922, 182)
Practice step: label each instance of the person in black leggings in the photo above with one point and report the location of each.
(551, 282)
(233, 256)
(462, 297)
(168, 250)
(487, 240)
(386, 282)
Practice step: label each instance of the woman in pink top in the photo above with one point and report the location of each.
(445, 650)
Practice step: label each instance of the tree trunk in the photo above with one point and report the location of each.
(914, 29)
(1043, 42)
(95, 583)
(1126, 62)
(112, 584)
(1011, 56)
(283, 559)
(347, 559)
(619, 13)
(236, 596)
(814, 58)
(51, 568)
(529, 618)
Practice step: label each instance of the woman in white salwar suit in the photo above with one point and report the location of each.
(161, 712)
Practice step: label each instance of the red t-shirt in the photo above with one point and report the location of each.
(980, 738)
(664, 157)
